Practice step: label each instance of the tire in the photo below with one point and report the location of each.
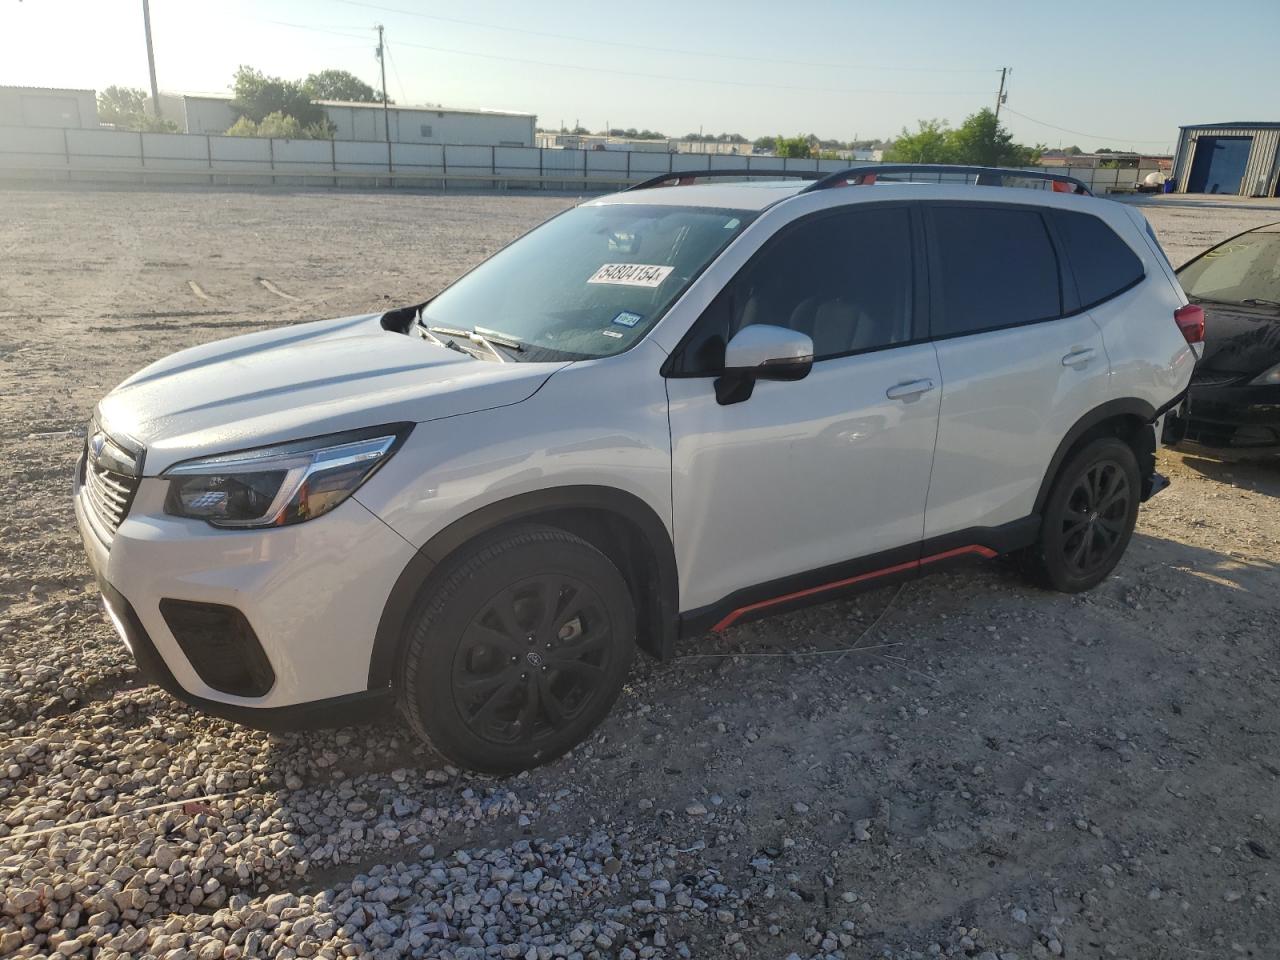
(518, 651)
(1089, 517)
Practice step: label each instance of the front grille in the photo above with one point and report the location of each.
(110, 479)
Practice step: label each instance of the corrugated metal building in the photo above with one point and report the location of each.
(1234, 158)
(48, 107)
(427, 124)
(201, 113)
(196, 113)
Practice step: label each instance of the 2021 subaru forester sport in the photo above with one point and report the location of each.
(662, 412)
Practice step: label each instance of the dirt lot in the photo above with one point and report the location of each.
(1010, 773)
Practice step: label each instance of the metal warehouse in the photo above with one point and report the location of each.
(48, 107)
(428, 124)
(1239, 158)
(197, 113)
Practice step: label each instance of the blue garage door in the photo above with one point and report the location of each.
(1218, 165)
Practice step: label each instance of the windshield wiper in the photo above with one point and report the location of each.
(1260, 302)
(489, 340)
(449, 344)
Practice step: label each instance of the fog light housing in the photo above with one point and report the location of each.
(221, 646)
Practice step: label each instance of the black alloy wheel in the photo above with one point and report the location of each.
(1095, 519)
(518, 648)
(532, 659)
(1089, 516)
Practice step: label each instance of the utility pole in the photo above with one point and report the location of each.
(1000, 97)
(386, 113)
(151, 58)
(382, 61)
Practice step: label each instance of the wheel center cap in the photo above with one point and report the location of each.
(1093, 516)
(534, 658)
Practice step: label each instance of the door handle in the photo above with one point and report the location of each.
(910, 390)
(1078, 358)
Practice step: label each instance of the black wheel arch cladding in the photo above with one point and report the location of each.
(1129, 418)
(619, 524)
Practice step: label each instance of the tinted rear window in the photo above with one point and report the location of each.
(1103, 264)
(995, 268)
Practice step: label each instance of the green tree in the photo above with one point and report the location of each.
(931, 143)
(797, 148)
(979, 141)
(125, 108)
(982, 141)
(764, 143)
(340, 85)
(280, 126)
(257, 96)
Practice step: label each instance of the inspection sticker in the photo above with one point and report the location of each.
(627, 319)
(631, 274)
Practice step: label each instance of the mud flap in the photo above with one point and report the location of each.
(1175, 423)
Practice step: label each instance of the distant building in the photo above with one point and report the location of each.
(593, 141)
(428, 124)
(201, 113)
(1232, 158)
(48, 107)
(197, 113)
(1122, 159)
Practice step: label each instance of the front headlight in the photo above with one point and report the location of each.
(1268, 379)
(281, 484)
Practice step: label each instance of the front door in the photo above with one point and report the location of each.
(806, 475)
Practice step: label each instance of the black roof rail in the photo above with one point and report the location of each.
(986, 176)
(682, 177)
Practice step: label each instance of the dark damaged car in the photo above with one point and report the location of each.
(1235, 390)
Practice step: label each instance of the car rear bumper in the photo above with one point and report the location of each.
(1238, 421)
(309, 597)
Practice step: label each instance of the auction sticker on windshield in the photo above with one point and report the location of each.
(631, 274)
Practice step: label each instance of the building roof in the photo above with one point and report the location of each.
(18, 86)
(424, 108)
(1233, 125)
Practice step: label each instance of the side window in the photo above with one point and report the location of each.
(995, 267)
(1102, 263)
(844, 279)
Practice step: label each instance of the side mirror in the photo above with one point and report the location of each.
(762, 352)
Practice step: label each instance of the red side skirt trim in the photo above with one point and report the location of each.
(973, 548)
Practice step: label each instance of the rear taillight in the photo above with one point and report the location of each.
(1190, 320)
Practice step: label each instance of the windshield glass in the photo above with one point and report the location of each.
(590, 282)
(1241, 270)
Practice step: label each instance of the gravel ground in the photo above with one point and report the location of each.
(1002, 773)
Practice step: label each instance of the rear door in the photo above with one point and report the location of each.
(1020, 363)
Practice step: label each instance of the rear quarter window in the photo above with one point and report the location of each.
(1103, 264)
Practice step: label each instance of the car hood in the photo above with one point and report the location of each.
(303, 381)
(1240, 340)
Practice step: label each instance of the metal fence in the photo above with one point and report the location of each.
(37, 153)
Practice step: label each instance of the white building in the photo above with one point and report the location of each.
(198, 113)
(48, 107)
(427, 124)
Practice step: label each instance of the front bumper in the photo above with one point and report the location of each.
(1233, 421)
(313, 594)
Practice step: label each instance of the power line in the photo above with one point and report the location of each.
(395, 71)
(661, 76)
(641, 46)
(1081, 133)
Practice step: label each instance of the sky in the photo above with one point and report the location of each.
(1089, 73)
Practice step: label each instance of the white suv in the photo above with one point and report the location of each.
(663, 412)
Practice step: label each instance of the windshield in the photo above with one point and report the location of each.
(590, 282)
(1244, 270)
